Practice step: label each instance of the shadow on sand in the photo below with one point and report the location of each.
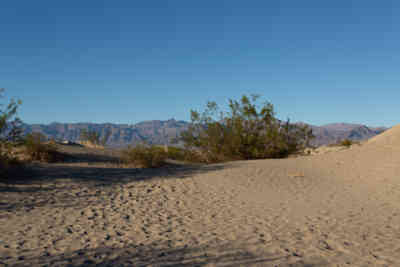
(156, 254)
(103, 174)
(64, 185)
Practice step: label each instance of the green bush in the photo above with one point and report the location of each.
(38, 149)
(145, 156)
(246, 131)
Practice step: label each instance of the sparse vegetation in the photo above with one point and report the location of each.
(346, 142)
(37, 148)
(247, 131)
(176, 153)
(93, 138)
(10, 135)
(8, 165)
(145, 156)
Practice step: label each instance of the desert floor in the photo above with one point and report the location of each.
(336, 209)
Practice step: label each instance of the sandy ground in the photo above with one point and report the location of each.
(335, 209)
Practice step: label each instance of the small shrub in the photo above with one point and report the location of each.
(182, 154)
(10, 136)
(346, 143)
(93, 138)
(37, 149)
(145, 156)
(176, 153)
(9, 165)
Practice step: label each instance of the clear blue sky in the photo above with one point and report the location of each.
(128, 61)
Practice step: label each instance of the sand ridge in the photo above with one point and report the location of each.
(336, 209)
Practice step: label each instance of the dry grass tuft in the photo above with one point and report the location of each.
(145, 156)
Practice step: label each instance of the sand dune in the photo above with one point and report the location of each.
(336, 209)
(390, 138)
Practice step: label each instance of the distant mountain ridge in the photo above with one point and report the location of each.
(152, 132)
(334, 132)
(162, 132)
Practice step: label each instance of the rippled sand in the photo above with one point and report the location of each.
(336, 209)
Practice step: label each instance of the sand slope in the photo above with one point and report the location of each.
(390, 137)
(336, 209)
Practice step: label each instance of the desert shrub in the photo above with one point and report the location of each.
(246, 131)
(182, 154)
(8, 157)
(176, 153)
(346, 142)
(10, 135)
(10, 124)
(145, 156)
(38, 149)
(94, 138)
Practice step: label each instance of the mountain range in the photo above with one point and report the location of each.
(162, 132)
(334, 132)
